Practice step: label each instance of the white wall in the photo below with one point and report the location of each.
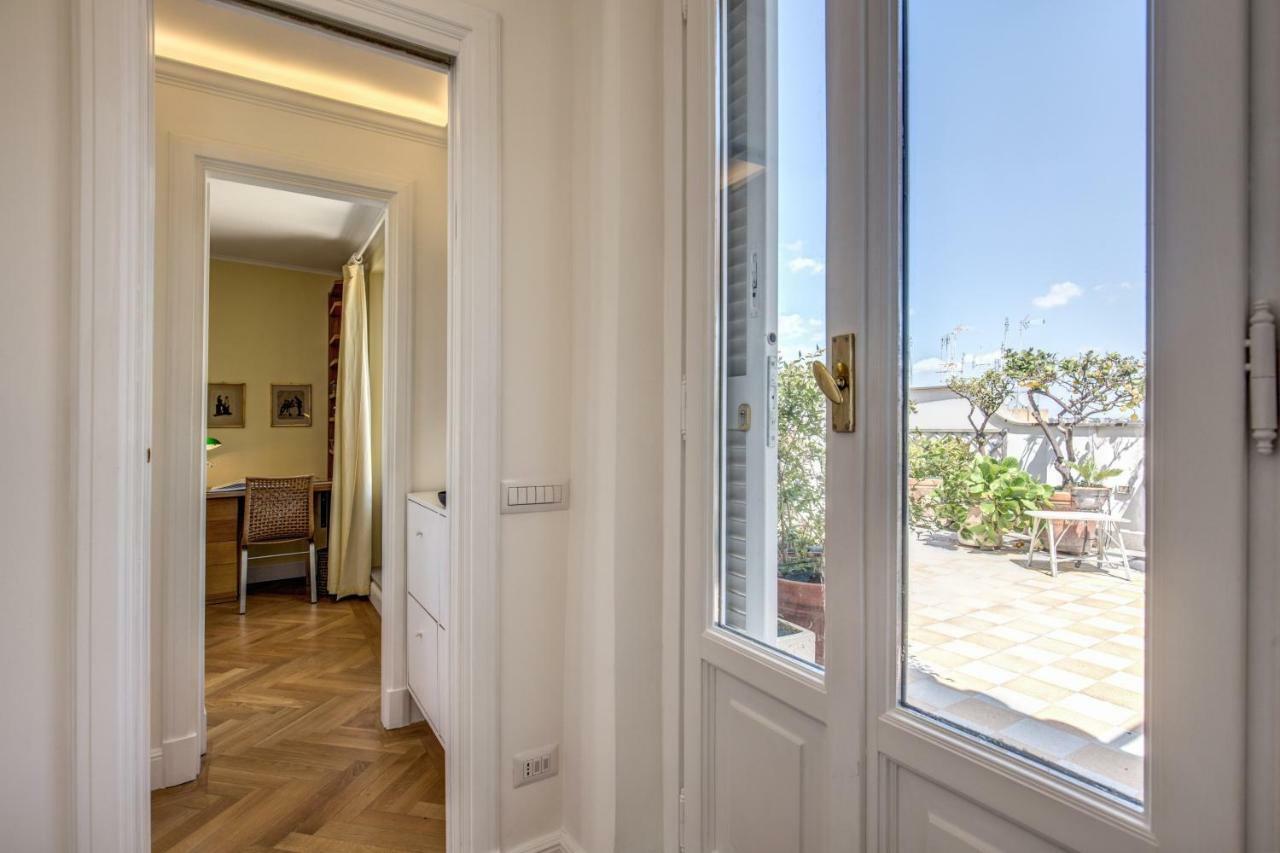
(536, 300)
(613, 736)
(35, 471)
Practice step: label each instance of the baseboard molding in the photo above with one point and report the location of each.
(375, 597)
(180, 760)
(559, 841)
(401, 711)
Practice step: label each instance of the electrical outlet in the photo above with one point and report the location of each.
(536, 765)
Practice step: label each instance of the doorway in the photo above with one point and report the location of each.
(111, 802)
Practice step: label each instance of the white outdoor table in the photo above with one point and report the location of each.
(1108, 534)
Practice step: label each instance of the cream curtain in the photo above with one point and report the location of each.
(351, 524)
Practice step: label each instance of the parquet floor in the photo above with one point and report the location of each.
(298, 760)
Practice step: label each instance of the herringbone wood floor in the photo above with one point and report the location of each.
(297, 758)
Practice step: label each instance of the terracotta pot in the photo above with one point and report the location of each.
(974, 517)
(1072, 536)
(803, 603)
(922, 487)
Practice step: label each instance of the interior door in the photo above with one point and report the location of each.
(1006, 610)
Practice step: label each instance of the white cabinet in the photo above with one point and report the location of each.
(427, 550)
(423, 658)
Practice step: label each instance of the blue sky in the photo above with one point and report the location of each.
(1026, 168)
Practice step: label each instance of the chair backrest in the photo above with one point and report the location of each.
(277, 509)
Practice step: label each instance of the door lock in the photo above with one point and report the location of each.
(837, 384)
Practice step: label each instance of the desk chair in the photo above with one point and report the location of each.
(277, 509)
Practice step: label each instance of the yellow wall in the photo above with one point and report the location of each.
(268, 325)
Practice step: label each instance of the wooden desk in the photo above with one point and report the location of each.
(223, 516)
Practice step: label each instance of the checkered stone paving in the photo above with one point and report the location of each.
(1050, 666)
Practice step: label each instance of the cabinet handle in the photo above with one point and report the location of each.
(418, 635)
(418, 534)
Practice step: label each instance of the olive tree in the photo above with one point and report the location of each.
(985, 394)
(1080, 387)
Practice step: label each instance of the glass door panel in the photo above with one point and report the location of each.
(1025, 316)
(773, 310)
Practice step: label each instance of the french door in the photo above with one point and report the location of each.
(964, 466)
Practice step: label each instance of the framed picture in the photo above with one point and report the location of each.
(291, 405)
(225, 405)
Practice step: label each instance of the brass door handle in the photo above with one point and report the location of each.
(833, 387)
(837, 384)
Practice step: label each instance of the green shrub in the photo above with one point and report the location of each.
(802, 457)
(1001, 492)
(932, 457)
(936, 455)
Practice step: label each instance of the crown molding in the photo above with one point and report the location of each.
(200, 79)
(256, 262)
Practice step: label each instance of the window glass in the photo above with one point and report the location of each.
(773, 313)
(1025, 326)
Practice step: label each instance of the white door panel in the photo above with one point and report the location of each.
(931, 819)
(768, 771)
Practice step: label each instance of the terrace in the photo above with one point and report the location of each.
(1050, 666)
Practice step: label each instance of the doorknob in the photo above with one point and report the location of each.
(837, 384)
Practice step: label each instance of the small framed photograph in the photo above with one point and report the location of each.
(225, 405)
(291, 405)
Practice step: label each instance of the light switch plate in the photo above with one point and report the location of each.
(534, 496)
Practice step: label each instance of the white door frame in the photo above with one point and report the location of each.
(113, 238)
(1208, 181)
(181, 378)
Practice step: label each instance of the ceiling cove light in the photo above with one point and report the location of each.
(193, 51)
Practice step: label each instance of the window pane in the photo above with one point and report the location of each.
(773, 310)
(1026, 306)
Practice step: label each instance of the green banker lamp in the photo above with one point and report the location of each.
(210, 443)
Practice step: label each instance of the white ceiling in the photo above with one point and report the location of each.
(282, 228)
(236, 41)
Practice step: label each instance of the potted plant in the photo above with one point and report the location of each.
(990, 499)
(1088, 491)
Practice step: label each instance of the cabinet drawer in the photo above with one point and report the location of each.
(417, 528)
(428, 556)
(423, 676)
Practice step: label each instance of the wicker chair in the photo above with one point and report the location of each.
(277, 509)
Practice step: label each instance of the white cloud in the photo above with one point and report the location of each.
(1059, 294)
(798, 334)
(795, 247)
(813, 266)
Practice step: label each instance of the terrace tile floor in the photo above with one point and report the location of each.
(1050, 666)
